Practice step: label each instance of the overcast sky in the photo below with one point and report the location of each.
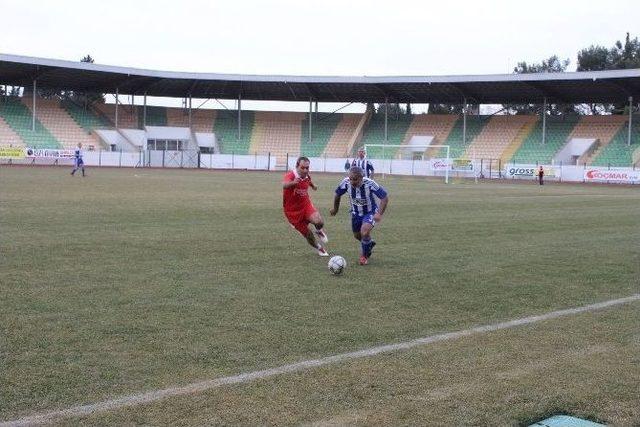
(329, 37)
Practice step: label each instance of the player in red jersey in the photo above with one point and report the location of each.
(298, 208)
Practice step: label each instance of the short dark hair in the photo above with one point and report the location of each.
(302, 159)
(356, 170)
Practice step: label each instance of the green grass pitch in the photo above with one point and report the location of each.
(134, 280)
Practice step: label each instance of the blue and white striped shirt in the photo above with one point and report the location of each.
(78, 156)
(365, 165)
(362, 198)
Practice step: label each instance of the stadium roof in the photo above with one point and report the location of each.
(574, 87)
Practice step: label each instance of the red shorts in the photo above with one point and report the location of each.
(300, 219)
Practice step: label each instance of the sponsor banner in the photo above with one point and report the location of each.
(50, 153)
(527, 171)
(462, 165)
(439, 164)
(12, 152)
(596, 174)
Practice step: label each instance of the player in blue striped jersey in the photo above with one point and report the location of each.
(363, 163)
(365, 211)
(78, 163)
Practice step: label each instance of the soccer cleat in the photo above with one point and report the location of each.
(364, 260)
(322, 251)
(322, 236)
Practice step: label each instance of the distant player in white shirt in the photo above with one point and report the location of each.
(365, 211)
(78, 163)
(363, 163)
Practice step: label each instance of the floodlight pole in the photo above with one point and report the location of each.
(117, 108)
(190, 121)
(144, 110)
(310, 116)
(239, 115)
(33, 116)
(544, 121)
(630, 118)
(464, 121)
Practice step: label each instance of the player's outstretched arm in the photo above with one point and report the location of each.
(336, 205)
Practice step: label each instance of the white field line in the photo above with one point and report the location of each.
(152, 396)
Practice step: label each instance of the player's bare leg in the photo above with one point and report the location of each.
(311, 239)
(318, 223)
(366, 242)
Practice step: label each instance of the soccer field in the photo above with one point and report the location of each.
(132, 280)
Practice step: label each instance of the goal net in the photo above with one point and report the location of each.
(438, 157)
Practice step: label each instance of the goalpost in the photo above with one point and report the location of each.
(414, 151)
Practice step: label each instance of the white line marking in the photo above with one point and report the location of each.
(541, 196)
(152, 396)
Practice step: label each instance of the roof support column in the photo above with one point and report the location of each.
(386, 119)
(190, 121)
(117, 107)
(33, 116)
(544, 121)
(310, 117)
(239, 115)
(464, 121)
(630, 118)
(144, 111)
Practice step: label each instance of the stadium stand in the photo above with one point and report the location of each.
(617, 152)
(436, 125)
(323, 126)
(156, 116)
(533, 151)
(601, 128)
(497, 135)
(179, 117)
(455, 137)
(277, 133)
(226, 130)
(19, 118)
(127, 114)
(522, 134)
(85, 118)
(61, 125)
(201, 119)
(516, 139)
(8, 136)
(397, 126)
(337, 146)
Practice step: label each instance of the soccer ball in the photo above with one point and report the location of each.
(337, 264)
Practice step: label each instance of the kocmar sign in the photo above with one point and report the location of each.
(611, 175)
